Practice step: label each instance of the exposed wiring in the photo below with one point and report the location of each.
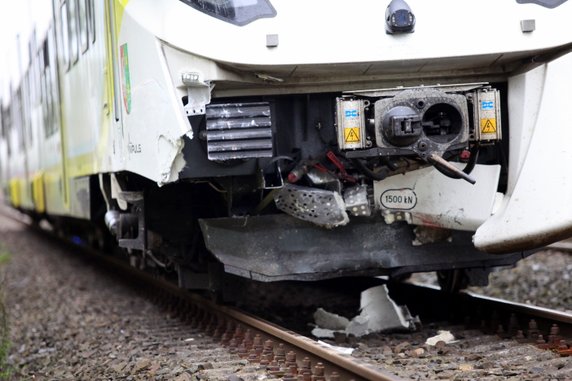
(378, 176)
(449, 169)
(149, 254)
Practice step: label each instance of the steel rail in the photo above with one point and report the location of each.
(473, 304)
(346, 367)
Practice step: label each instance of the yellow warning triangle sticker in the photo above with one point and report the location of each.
(351, 135)
(488, 126)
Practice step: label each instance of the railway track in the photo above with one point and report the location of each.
(543, 326)
(283, 353)
(275, 352)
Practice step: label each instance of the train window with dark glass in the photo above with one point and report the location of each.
(7, 125)
(91, 19)
(65, 51)
(51, 82)
(83, 29)
(2, 126)
(37, 76)
(27, 96)
(32, 73)
(73, 32)
(19, 120)
(238, 12)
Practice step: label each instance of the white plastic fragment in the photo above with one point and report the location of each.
(378, 312)
(444, 336)
(328, 320)
(339, 350)
(324, 333)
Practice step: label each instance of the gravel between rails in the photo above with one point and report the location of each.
(71, 321)
(543, 279)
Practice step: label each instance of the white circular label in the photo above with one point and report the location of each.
(399, 199)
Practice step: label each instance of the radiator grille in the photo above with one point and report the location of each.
(239, 131)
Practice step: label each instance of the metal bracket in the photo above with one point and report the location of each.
(127, 220)
(198, 92)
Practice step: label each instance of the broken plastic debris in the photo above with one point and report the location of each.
(328, 320)
(445, 336)
(324, 333)
(340, 350)
(378, 312)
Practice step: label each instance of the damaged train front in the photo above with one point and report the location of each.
(384, 181)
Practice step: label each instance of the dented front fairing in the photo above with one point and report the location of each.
(537, 206)
(148, 136)
(454, 61)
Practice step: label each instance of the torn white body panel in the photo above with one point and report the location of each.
(153, 121)
(431, 199)
(171, 160)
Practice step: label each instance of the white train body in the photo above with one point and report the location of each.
(317, 126)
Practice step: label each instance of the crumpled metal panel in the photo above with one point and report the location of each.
(319, 206)
(357, 202)
(279, 247)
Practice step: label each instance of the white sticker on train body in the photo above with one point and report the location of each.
(398, 199)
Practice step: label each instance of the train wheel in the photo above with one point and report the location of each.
(452, 281)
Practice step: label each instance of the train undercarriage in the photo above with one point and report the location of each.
(318, 186)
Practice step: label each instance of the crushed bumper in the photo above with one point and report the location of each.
(279, 247)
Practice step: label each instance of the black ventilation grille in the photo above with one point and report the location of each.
(239, 131)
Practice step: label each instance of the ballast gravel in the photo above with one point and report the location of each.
(69, 320)
(542, 279)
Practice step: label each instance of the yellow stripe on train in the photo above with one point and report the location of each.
(38, 193)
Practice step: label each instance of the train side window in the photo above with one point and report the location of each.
(24, 111)
(27, 94)
(19, 120)
(83, 29)
(52, 83)
(64, 37)
(7, 121)
(38, 74)
(7, 126)
(42, 86)
(91, 19)
(3, 127)
(73, 32)
(32, 73)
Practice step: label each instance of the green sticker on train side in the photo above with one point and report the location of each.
(125, 78)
